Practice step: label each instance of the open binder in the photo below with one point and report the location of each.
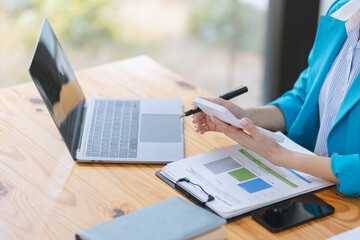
(232, 181)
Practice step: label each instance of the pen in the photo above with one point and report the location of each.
(227, 96)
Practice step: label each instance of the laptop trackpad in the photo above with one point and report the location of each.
(160, 128)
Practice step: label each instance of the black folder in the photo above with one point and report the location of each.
(195, 199)
(199, 202)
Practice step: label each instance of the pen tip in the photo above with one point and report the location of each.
(182, 116)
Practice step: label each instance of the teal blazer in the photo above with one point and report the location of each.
(301, 111)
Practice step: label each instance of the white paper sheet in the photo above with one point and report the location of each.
(240, 180)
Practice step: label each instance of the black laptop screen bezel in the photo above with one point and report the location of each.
(55, 80)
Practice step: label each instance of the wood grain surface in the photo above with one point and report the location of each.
(44, 194)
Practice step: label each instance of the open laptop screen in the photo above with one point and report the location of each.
(58, 87)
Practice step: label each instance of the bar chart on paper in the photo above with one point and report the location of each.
(268, 169)
(247, 180)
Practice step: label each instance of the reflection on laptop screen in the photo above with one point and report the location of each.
(58, 87)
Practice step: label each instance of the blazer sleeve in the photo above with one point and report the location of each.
(347, 170)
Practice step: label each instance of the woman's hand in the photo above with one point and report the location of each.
(203, 122)
(252, 139)
(269, 149)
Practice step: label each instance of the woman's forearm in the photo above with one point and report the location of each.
(269, 149)
(311, 164)
(269, 117)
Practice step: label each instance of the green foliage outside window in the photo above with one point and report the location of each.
(228, 22)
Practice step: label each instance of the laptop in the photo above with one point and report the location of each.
(104, 130)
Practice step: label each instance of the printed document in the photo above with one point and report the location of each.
(240, 180)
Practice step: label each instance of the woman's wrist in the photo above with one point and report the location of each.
(268, 117)
(247, 113)
(254, 115)
(278, 156)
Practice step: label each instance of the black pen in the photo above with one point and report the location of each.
(227, 96)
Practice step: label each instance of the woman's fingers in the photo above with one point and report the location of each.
(198, 116)
(204, 129)
(203, 122)
(249, 127)
(222, 126)
(210, 122)
(199, 124)
(233, 132)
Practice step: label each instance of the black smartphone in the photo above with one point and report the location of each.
(293, 212)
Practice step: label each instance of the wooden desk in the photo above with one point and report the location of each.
(44, 194)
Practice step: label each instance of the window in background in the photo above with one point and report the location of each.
(217, 45)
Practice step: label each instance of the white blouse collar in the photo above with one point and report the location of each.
(350, 13)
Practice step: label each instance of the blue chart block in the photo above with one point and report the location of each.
(254, 185)
(298, 175)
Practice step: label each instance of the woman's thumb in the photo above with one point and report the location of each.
(249, 127)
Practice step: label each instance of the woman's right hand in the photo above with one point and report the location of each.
(203, 123)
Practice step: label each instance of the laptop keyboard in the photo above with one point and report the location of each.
(114, 129)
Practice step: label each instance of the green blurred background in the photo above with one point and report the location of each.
(215, 44)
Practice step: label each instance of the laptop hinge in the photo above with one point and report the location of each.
(86, 104)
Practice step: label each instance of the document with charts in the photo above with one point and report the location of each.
(240, 180)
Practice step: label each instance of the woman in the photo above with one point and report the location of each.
(321, 112)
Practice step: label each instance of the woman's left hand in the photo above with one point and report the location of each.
(252, 139)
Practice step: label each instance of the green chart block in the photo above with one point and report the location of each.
(266, 168)
(242, 174)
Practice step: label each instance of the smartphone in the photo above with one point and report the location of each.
(293, 212)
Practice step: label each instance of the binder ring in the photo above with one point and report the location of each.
(210, 197)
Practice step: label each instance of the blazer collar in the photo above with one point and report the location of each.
(329, 39)
(350, 12)
(352, 97)
(330, 36)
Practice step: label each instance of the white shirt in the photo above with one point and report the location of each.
(342, 73)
